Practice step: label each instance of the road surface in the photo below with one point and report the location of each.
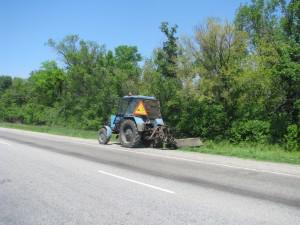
(48, 179)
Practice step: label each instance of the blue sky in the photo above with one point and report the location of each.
(25, 26)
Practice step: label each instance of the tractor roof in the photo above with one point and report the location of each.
(139, 97)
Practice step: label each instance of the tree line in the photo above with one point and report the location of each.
(237, 80)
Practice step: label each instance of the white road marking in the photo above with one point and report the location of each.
(4, 143)
(137, 182)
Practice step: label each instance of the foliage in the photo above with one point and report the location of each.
(166, 58)
(5, 83)
(47, 83)
(250, 131)
(292, 138)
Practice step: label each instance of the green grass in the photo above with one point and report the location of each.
(65, 131)
(263, 152)
(53, 130)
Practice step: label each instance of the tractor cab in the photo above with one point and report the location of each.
(145, 107)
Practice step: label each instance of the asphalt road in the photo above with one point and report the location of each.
(47, 179)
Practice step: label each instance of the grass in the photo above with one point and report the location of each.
(64, 131)
(71, 132)
(263, 152)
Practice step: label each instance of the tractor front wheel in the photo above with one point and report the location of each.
(129, 134)
(102, 136)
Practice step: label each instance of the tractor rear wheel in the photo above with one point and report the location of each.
(129, 134)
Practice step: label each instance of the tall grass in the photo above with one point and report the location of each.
(265, 152)
(53, 130)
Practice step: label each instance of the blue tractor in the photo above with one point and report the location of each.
(138, 122)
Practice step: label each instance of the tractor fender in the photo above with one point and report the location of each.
(108, 131)
(159, 121)
(113, 121)
(139, 123)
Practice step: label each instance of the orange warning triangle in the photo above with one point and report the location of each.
(140, 109)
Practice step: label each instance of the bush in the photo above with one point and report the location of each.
(193, 118)
(13, 114)
(250, 131)
(279, 124)
(291, 138)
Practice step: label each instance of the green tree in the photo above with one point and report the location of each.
(272, 26)
(289, 68)
(259, 19)
(86, 74)
(219, 53)
(166, 57)
(13, 101)
(127, 70)
(5, 83)
(95, 78)
(291, 20)
(160, 73)
(47, 83)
